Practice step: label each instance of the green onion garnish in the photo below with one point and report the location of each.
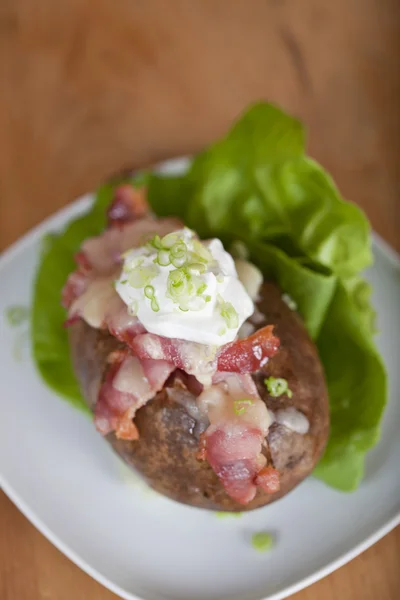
(154, 305)
(277, 386)
(202, 253)
(140, 276)
(169, 240)
(133, 264)
(262, 541)
(228, 313)
(176, 284)
(17, 314)
(163, 258)
(178, 254)
(155, 242)
(149, 292)
(202, 288)
(239, 406)
(197, 268)
(178, 261)
(180, 287)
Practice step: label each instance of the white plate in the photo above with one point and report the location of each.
(68, 482)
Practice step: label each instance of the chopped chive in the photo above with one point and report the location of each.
(17, 314)
(262, 541)
(178, 254)
(203, 253)
(197, 267)
(154, 305)
(140, 276)
(155, 242)
(178, 261)
(149, 292)
(277, 386)
(228, 313)
(202, 288)
(239, 406)
(163, 258)
(169, 240)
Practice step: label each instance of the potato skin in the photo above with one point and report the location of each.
(165, 454)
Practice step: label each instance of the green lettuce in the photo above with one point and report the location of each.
(257, 185)
(357, 387)
(49, 338)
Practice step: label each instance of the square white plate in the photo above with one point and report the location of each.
(67, 481)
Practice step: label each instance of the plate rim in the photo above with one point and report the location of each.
(60, 217)
(74, 556)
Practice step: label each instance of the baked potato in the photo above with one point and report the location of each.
(166, 453)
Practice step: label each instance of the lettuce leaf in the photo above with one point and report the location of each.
(357, 387)
(311, 290)
(49, 338)
(257, 185)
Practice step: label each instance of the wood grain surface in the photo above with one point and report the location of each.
(90, 88)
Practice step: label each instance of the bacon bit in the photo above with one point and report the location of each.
(239, 384)
(232, 452)
(129, 203)
(250, 354)
(233, 442)
(268, 479)
(122, 325)
(129, 384)
(191, 357)
(202, 451)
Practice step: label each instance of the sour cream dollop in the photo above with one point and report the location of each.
(180, 287)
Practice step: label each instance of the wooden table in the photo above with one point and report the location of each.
(91, 88)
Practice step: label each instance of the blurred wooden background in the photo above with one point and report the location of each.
(90, 88)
